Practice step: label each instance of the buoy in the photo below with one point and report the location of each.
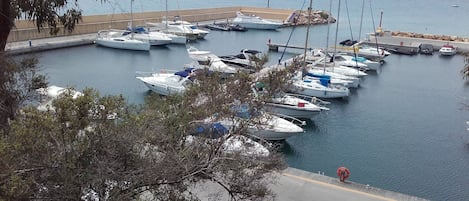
(343, 173)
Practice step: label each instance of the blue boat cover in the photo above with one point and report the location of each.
(318, 76)
(359, 59)
(214, 130)
(186, 72)
(324, 81)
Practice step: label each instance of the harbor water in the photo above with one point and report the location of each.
(403, 130)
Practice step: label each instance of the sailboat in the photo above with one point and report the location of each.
(118, 39)
(179, 33)
(322, 87)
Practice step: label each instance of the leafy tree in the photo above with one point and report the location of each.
(80, 150)
(45, 13)
(18, 80)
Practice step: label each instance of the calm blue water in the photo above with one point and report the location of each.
(403, 130)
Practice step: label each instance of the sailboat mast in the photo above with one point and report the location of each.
(307, 34)
(336, 32)
(167, 14)
(327, 40)
(131, 19)
(361, 22)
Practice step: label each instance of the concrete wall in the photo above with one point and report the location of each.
(26, 30)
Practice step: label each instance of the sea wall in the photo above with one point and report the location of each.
(27, 30)
(430, 36)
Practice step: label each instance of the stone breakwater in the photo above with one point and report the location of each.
(301, 17)
(430, 36)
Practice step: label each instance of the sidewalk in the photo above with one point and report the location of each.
(49, 43)
(298, 185)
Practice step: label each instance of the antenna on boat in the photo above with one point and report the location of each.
(307, 36)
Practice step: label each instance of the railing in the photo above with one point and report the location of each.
(291, 119)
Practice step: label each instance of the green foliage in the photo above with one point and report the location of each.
(101, 144)
(18, 81)
(48, 14)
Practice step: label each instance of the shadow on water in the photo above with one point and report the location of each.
(285, 148)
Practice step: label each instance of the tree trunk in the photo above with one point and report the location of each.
(6, 23)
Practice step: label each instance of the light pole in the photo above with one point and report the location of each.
(268, 3)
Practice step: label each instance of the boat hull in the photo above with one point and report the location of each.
(292, 111)
(123, 44)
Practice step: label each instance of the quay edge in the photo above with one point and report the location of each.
(410, 45)
(299, 185)
(26, 30)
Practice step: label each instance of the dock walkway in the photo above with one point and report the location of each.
(298, 185)
(410, 45)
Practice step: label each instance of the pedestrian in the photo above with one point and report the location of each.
(343, 173)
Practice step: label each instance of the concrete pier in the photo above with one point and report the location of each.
(298, 185)
(411, 44)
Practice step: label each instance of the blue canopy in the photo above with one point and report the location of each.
(214, 130)
(186, 72)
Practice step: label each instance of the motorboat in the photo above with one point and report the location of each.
(263, 125)
(254, 22)
(245, 59)
(349, 61)
(215, 132)
(356, 62)
(318, 88)
(447, 50)
(201, 33)
(293, 105)
(155, 38)
(225, 27)
(218, 27)
(165, 82)
(50, 93)
(372, 53)
(175, 29)
(209, 60)
(116, 39)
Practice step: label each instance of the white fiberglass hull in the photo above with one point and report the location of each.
(274, 128)
(311, 88)
(291, 110)
(249, 25)
(158, 84)
(122, 43)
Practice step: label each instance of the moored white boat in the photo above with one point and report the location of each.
(352, 81)
(294, 106)
(447, 50)
(243, 59)
(210, 60)
(115, 39)
(320, 89)
(216, 132)
(267, 126)
(166, 83)
(155, 38)
(254, 22)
